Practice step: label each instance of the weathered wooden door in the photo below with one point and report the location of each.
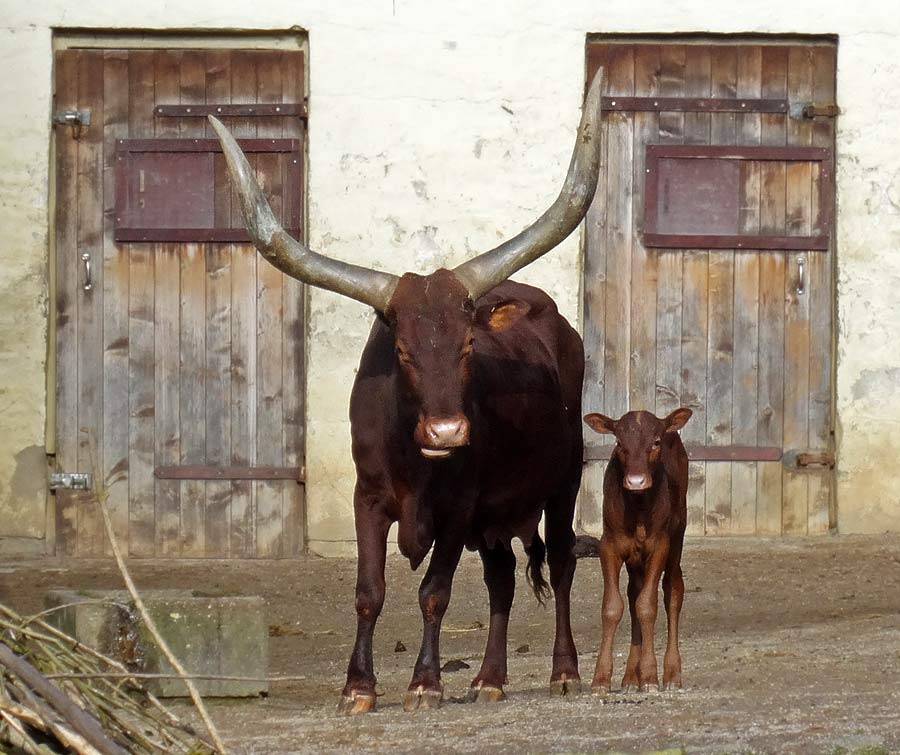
(180, 358)
(708, 271)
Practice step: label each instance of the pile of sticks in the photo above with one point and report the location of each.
(111, 716)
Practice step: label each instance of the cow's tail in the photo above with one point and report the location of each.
(534, 574)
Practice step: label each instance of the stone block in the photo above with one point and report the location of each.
(216, 636)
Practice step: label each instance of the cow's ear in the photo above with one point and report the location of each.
(501, 316)
(600, 423)
(677, 419)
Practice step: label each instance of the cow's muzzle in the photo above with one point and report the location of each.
(440, 435)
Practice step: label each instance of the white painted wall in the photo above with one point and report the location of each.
(437, 129)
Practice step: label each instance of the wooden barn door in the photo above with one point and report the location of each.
(708, 271)
(180, 354)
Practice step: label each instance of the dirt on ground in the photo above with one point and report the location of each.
(789, 646)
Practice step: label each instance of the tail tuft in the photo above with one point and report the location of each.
(534, 575)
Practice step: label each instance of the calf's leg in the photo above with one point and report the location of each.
(500, 577)
(673, 595)
(646, 606)
(612, 610)
(425, 689)
(372, 525)
(630, 680)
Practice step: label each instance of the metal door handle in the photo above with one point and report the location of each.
(88, 283)
(801, 276)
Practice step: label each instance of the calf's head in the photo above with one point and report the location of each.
(639, 439)
(433, 317)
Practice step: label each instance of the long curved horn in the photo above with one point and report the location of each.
(286, 253)
(487, 270)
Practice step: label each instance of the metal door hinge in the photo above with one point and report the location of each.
(809, 110)
(808, 460)
(70, 481)
(77, 119)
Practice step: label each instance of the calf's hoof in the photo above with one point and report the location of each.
(651, 688)
(421, 698)
(673, 685)
(356, 703)
(601, 689)
(485, 693)
(565, 686)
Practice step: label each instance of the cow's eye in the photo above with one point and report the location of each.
(468, 348)
(403, 355)
(656, 443)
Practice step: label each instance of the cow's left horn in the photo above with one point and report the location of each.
(487, 270)
(289, 255)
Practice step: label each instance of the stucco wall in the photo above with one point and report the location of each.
(436, 130)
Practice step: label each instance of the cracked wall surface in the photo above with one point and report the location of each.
(436, 131)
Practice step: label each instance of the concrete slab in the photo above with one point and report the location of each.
(211, 635)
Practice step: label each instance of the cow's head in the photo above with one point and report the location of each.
(639, 438)
(434, 323)
(433, 317)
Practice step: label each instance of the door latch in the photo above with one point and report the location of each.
(809, 110)
(70, 481)
(808, 461)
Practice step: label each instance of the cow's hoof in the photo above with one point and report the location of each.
(485, 693)
(601, 690)
(356, 703)
(650, 688)
(629, 689)
(564, 686)
(422, 699)
(671, 686)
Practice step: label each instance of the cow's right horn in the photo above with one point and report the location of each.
(289, 255)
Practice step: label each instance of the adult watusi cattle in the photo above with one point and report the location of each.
(465, 421)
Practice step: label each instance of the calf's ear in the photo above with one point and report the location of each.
(677, 419)
(501, 316)
(600, 423)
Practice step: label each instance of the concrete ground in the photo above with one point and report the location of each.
(789, 646)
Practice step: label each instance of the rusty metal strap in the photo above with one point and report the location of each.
(249, 110)
(201, 472)
(693, 105)
(704, 453)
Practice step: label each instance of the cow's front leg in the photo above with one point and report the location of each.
(425, 689)
(372, 525)
(673, 595)
(630, 679)
(500, 577)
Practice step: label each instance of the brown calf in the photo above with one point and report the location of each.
(644, 517)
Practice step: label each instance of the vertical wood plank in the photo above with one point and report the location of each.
(746, 308)
(269, 332)
(669, 263)
(642, 382)
(771, 299)
(294, 335)
(141, 305)
(217, 537)
(695, 301)
(243, 338)
(192, 372)
(66, 304)
(821, 313)
(720, 353)
(798, 207)
(115, 303)
(90, 539)
(594, 284)
(167, 332)
(620, 155)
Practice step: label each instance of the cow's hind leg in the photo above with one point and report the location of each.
(500, 577)
(564, 678)
(425, 689)
(372, 525)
